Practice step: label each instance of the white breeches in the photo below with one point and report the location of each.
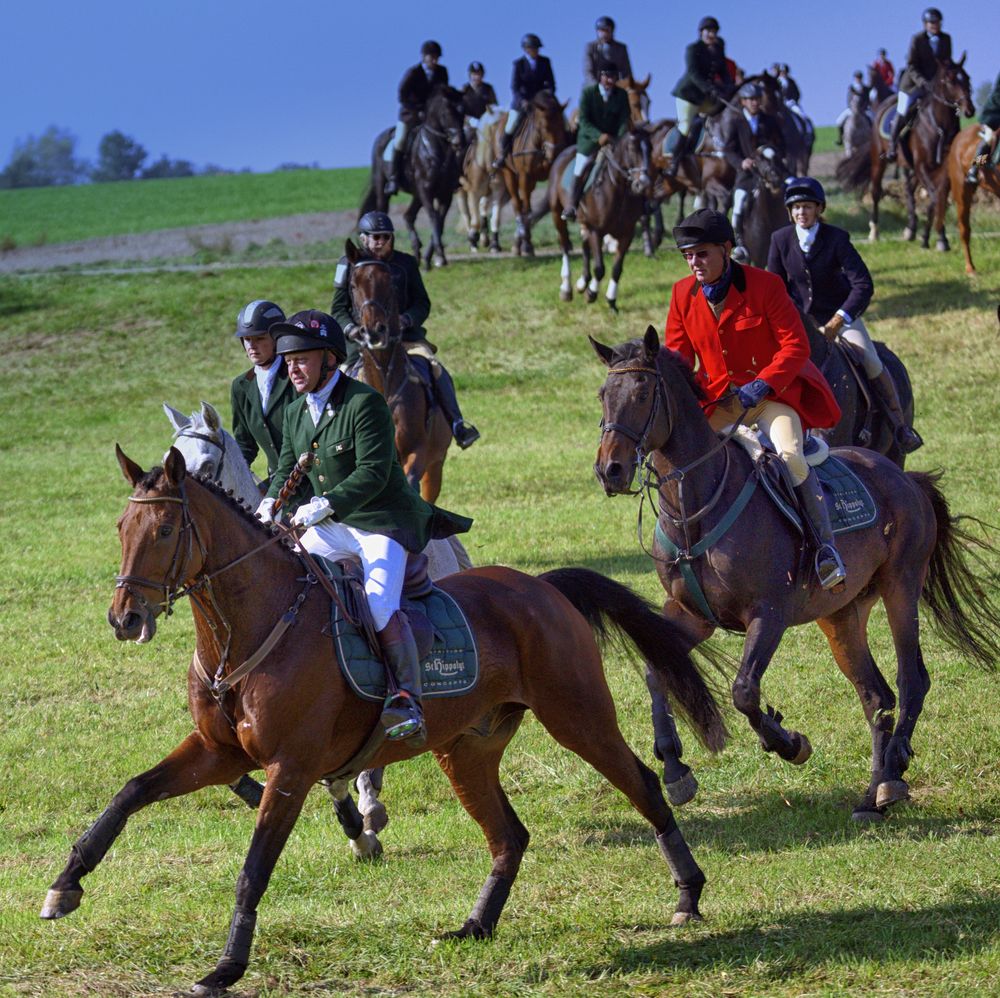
(580, 162)
(686, 112)
(392, 147)
(383, 561)
(513, 117)
(857, 334)
(903, 102)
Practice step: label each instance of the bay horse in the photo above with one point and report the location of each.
(765, 210)
(423, 434)
(611, 207)
(295, 716)
(483, 193)
(796, 129)
(960, 157)
(751, 573)
(923, 154)
(539, 139)
(430, 168)
(862, 421)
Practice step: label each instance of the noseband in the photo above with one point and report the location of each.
(639, 439)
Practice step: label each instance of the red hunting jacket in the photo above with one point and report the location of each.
(758, 335)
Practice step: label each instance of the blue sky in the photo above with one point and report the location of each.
(254, 84)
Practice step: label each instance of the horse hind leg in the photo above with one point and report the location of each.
(360, 833)
(680, 782)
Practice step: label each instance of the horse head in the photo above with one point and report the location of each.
(373, 297)
(638, 99)
(771, 172)
(952, 86)
(445, 116)
(200, 439)
(636, 417)
(550, 125)
(632, 151)
(158, 549)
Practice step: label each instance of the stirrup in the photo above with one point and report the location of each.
(465, 434)
(908, 440)
(569, 213)
(829, 568)
(402, 718)
(740, 253)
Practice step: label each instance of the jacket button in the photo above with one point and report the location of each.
(725, 353)
(315, 445)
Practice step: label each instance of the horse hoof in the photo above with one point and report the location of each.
(867, 815)
(683, 790)
(565, 294)
(942, 246)
(909, 234)
(684, 917)
(805, 750)
(376, 817)
(366, 847)
(590, 296)
(205, 991)
(892, 792)
(471, 930)
(613, 305)
(60, 903)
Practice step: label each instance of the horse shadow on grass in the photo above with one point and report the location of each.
(802, 940)
(932, 296)
(769, 822)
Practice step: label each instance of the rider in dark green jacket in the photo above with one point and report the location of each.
(604, 117)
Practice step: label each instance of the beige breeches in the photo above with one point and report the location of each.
(779, 421)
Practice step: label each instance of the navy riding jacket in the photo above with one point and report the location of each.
(525, 82)
(831, 276)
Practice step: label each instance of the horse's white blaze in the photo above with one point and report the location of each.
(612, 293)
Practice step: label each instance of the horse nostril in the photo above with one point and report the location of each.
(613, 471)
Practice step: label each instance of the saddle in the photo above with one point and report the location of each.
(696, 139)
(449, 658)
(597, 168)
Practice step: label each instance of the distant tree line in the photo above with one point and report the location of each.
(50, 160)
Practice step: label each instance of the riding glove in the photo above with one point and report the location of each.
(312, 512)
(265, 511)
(833, 327)
(752, 393)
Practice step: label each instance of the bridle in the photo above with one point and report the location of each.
(395, 334)
(221, 444)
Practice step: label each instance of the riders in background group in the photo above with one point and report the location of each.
(605, 48)
(705, 83)
(828, 280)
(989, 125)
(414, 90)
(859, 99)
(604, 117)
(531, 73)
(745, 132)
(478, 97)
(928, 49)
(885, 69)
(377, 237)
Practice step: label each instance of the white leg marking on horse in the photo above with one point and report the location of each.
(612, 293)
(610, 245)
(581, 283)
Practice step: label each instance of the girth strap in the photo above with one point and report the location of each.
(682, 559)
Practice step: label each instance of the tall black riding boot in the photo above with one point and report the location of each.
(506, 142)
(897, 127)
(391, 185)
(885, 388)
(972, 177)
(569, 212)
(465, 433)
(402, 715)
(680, 151)
(829, 567)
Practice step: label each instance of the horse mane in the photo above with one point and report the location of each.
(666, 358)
(545, 100)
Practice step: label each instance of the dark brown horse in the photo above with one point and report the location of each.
(765, 210)
(960, 156)
(923, 153)
(752, 574)
(611, 207)
(796, 129)
(294, 715)
(430, 169)
(540, 138)
(862, 422)
(422, 431)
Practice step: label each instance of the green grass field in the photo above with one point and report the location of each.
(800, 900)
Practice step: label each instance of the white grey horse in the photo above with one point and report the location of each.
(210, 450)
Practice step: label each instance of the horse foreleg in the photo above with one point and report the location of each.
(284, 794)
(940, 209)
(846, 632)
(962, 193)
(364, 839)
(524, 208)
(762, 639)
(585, 281)
(496, 206)
(910, 187)
(191, 766)
(616, 272)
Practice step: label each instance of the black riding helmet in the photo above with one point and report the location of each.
(530, 41)
(431, 48)
(375, 221)
(604, 23)
(932, 14)
(257, 318)
(748, 91)
(703, 226)
(310, 330)
(708, 23)
(477, 67)
(804, 189)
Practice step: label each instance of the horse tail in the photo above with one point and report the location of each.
(855, 172)
(602, 601)
(958, 598)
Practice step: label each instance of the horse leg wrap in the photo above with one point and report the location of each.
(240, 939)
(685, 871)
(490, 903)
(91, 847)
(248, 790)
(349, 816)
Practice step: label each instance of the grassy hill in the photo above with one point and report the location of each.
(799, 899)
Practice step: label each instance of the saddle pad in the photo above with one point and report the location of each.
(595, 172)
(697, 137)
(848, 500)
(450, 669)
(885, 124)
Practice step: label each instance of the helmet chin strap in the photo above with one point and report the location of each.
(324, 369)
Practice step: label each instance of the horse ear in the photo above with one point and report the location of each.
(961, 62)
(351, 251)
(211, 416)
(130, 469)
(177, 419)
(565, 104)
(651, 343)
(645, 83)
(601, 350)
(174, 467)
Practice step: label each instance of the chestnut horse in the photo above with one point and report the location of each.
(430, 170)
(540, 138)
(923, 154)
(611, 207)
(756, 577)
(962, 192)
(483, 194)
(422, 431)
(295, 716)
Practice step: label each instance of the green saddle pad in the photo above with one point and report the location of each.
(848, 499)
(450, 669)
(595, 171)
